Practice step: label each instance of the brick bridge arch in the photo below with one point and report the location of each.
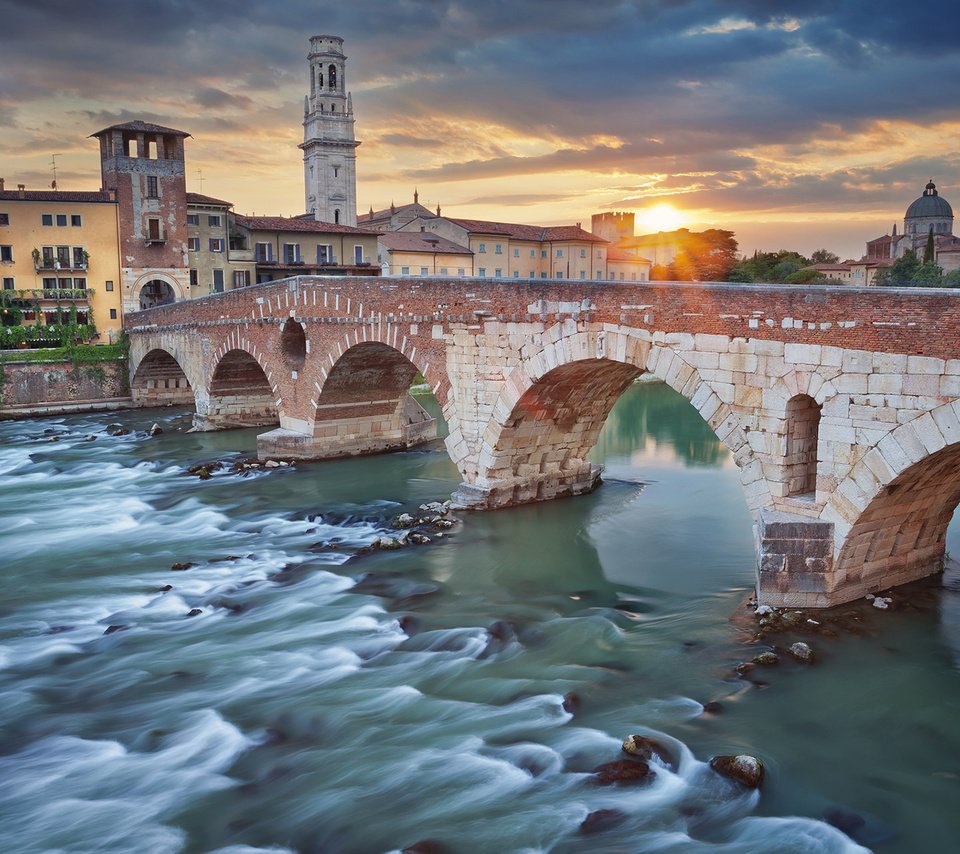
(839, 405)
(158, 376)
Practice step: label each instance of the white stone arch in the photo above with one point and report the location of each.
(601, 348)
(145, 278)
(890, 513)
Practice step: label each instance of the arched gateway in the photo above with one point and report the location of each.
(840, 406)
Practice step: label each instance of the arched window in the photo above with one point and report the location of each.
(332, 77)
(319, 79)
(333, 108)
(803, 425)
(336, 216)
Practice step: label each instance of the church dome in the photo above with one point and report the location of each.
(930, 204)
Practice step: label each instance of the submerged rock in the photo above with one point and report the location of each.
(386, 543)
(571, 703)
(156, 429)
(623, 772)
(746, 770)
(644, 747)
(801, 652)
(404, 520)
(600, 820)
(713, 707)
(194, 612)
(180, 567)
(766, 658)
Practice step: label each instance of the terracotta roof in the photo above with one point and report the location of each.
(57, 196)
(527, 232)
(614, 254)
(142, 127)
(200, 199)
(419, 241)
(284, 223)
(413, 207)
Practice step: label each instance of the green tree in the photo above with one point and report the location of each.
(823, 256)
(928, 252)
(806, 277)
(952, 279)
(902, 272)
(929, 275)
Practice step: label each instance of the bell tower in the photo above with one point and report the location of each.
(329, 149)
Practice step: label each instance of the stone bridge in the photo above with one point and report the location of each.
(839, 406)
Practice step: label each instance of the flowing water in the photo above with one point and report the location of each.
(302, 711)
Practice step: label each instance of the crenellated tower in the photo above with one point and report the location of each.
(329, 148)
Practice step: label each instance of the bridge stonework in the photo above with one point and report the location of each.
(840, 407)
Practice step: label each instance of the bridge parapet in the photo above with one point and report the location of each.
(830, 400)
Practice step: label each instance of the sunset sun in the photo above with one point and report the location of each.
(662, 217)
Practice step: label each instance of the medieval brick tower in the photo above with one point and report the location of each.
(329, 149)
(144, 164)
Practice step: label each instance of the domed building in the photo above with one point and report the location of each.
(930, 213)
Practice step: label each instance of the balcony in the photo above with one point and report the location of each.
(157, 239)
(66, 266)
(35, 295)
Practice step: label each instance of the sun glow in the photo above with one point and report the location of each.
(661, 217)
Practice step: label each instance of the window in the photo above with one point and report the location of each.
(498, 273)
(599, 275)
(108, 286)
(404, 271)
(153, 229)
(241, 278)
(216, 244)
(621, 277)
(559, 253)
(325, 253)
(533, 274)
(516, 252)
(543, 253)
(63, 256)
(79, 258)
(113, 314)
(443, 271)
(264, 252)
(6, 253)
(76, 221)
(423, 271)
(194, 279)
(79, 284)
(516, 274)
(583, 253)
(482, 248)
(332, 76)
(4, 219)
(218, 281)
(336, 171)
(291, 253)
(64, 284)
(8, 283)
(336, 216)
(559, 275)
(498, 249)
(61, 219)
(193, 219)
(460, 271)
(46, 219)
(153, 187)
(599, 254)
(213, 221)
(583, 274)
(482, 271)
(193, 244)
(533, 253)
(543, 275)
(357, 254)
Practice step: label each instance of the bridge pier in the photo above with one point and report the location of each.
(495, 493)
(794, 560)
(368, 428)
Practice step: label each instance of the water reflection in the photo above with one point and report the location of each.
(662, 416)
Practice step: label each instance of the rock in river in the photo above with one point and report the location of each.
(644, 747)
(747, 770)
(801, 652)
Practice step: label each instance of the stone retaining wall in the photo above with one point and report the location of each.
(42, 387)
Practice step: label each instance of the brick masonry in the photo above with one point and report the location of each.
(840, 406)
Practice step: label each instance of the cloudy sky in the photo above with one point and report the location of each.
(797, 123)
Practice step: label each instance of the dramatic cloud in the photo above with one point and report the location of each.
(744, 111)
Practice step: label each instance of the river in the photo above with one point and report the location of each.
(299, 710)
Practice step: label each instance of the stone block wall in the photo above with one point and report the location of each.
(60, 386)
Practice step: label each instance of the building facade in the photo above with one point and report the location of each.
(928, 214)
(58, 258)
(329, 147)
(415, 253)
(220, 255)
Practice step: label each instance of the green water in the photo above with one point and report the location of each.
(293, 713)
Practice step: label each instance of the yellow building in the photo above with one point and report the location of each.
(415, 253)
(295, 246)
(221, 257)
(59, 257)
(506, 250)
